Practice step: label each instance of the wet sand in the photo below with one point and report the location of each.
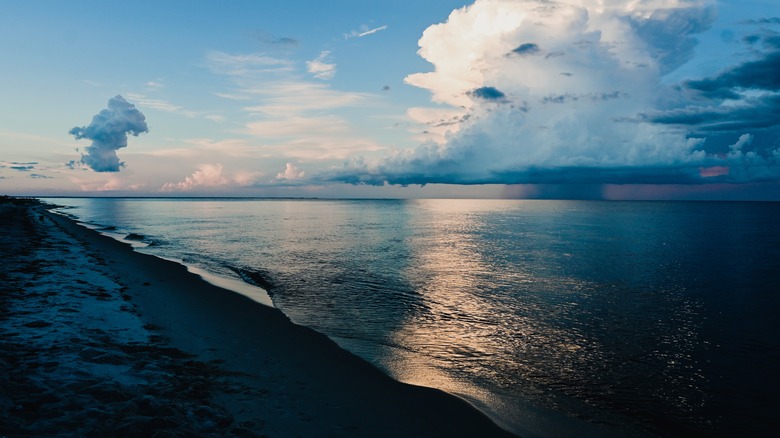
(97, 339)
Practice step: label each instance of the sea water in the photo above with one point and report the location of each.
(553, 317)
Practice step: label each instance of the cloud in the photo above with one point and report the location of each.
(739, 99)
(20, 166)
(749, 114)
(321, 69)
(760, 74)
(751, 165)
(488, 93)
(157, 104)
(767, 20)
(247, 67)
(163, 105)
(596, 108)
(274, 41)
(207, 175)
(526, 49)
(289, 117)
(291, 172)
(108, 132)
(364, 31)
(284, 98)
(297, 126)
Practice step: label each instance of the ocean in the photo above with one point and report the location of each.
(552, 317)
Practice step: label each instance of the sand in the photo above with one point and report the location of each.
(97, 339)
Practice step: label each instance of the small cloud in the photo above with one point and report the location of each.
(527, 49)
(321, 69)
(155, 85)
(207, 175)
(488, 93)
(158, 104)
(364, 31)
(20, 166)
(285, 41)
(215, 118)
(247, 179)
(291, 172)
(272, 40)
(592, 97)
(247, 65)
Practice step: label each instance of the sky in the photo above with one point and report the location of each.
(593, 99)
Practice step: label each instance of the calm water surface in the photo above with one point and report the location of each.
(554, 317)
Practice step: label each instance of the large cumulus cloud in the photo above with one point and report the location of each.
(573, 91)
(108, 132)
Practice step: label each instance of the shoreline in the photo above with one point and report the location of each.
(264, 373)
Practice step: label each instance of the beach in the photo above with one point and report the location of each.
(98, 339)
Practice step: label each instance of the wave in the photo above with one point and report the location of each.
(256, 277)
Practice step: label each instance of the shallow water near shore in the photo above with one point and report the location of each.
(551, 316)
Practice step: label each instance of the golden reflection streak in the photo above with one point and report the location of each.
(459, 325)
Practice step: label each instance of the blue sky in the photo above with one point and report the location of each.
(658, 99)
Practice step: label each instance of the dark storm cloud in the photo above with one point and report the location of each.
(108, 132)
(755, 113)
(448, 172)
(769, 20)
(761, 74)
(752, 85)
(772, 41)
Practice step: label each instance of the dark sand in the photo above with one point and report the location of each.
(99, 340)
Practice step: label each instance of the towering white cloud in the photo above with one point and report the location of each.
(565, 91)
(108, 132)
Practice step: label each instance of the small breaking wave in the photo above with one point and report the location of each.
(255, 277)
(135, 236)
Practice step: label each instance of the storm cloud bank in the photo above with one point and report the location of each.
(574, 91)
(108, 132)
